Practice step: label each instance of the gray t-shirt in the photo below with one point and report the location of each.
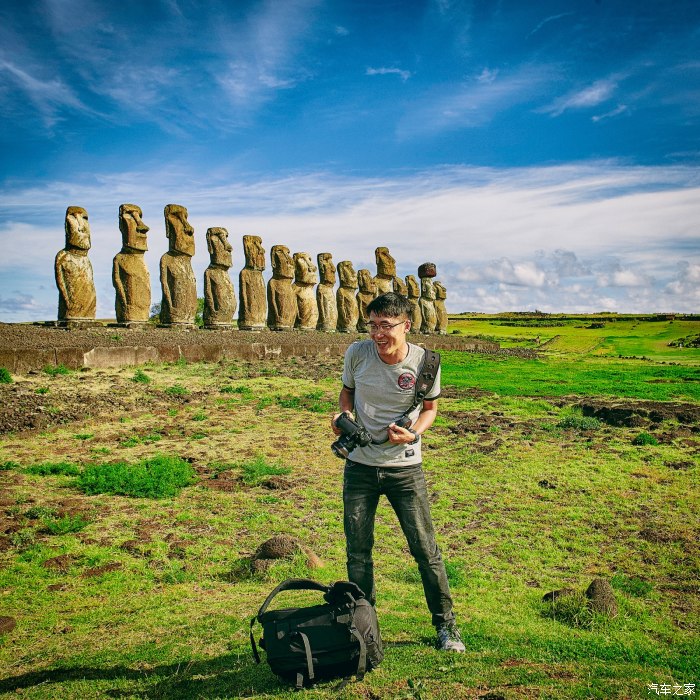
(382, 393)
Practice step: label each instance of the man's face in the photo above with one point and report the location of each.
(388, 332)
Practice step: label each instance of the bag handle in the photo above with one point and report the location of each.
(293, 584)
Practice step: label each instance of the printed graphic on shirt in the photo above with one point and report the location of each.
(407, 381)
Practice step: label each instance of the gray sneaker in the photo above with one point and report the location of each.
(449, 638)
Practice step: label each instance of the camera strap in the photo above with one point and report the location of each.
(427, 374)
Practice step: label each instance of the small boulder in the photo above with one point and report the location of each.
(555, 595)
(283, 547)
(601, 597)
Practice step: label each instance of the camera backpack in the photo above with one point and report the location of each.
(338, 638)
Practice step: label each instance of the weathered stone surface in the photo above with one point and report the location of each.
(601, 597)
(427, 306)
(367, 292)
(130, 276)
(219, 294)
(325, 294)
(400, 287)
(177, 280)
(305, 278)
(252, 312)
(440, 310)
(345, 297)
(282, 547)
(413, 294)
(281, 299)
(386, 271)
(427, 269)
(77, 299)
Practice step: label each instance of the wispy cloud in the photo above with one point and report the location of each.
(590, 96)
(620, 109)
(547, 20)
(403, 74)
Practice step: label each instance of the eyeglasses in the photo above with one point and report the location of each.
(383, 327)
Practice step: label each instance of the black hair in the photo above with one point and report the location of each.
(390, 304)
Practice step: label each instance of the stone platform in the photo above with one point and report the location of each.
(25, 347)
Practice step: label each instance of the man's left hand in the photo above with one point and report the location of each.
(400, 436)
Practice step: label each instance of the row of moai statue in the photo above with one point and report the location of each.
(294, 298)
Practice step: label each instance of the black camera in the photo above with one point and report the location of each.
(354, 435)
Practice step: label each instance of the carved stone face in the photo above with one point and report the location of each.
(364, 280)
(178, 230)
(347, 274)
(427, 288)
(282, 263)
(412, 285)
(254, 253)
(440, 291)
(132, 227)
(304, 269)
(219, 248)
(77, 229)
(386, 265)
(326, 268)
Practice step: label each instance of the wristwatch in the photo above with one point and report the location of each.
(417, 437)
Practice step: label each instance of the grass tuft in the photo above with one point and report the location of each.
(156, 477)
(58, 369)
(258, 469)
(5, 376)
(645, 439)
(65, 524)
(8, 465)
(177, 390)
(141, 377)
(54, 468)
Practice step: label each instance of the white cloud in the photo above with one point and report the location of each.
(403, 74)
(620, 109)
(542, 238)
(487, 75)
(591, 96)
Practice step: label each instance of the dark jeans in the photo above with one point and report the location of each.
(405, 488)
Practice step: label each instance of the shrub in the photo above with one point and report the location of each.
(156, 477)
(5, 376)
(53, 468)
(575, 421)
(141, 377)
(8, 465)
(256, 470)
(645, 439)
(177, 390)
(42, 390)
(53, 371)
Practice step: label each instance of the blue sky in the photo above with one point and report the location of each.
(544, 155)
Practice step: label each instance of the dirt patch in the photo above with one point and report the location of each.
(637, 414)
(464, 392)
(469, 423)
(60, 563)
(99, 570)
(7, 624)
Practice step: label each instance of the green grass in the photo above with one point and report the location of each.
(156, 477)
(54, 371)
(53, 468)
(141, 377)
(5, 376)
(526, 498)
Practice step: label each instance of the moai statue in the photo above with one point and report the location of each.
(179, 304)
(281, 299)
(367, 292)
(325, 294)
(77, 299)
(219, 294)
(130, 277)
(426, 272)
(400, 287)
(440, 310)
(413, 296)
(386, 271)
(305, 278)
(252, 311)
(348, 312)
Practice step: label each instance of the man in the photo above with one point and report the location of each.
(379, 378)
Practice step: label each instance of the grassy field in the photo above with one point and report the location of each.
(122, 596)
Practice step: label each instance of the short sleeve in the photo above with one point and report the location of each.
(348, 365)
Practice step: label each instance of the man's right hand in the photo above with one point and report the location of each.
(336, 430)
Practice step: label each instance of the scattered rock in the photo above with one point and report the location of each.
(555, 595)
(601, 597)
(545, 484)
(283, 547)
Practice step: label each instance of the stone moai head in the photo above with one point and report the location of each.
(178, 230)
(219, 248)
(400, 287)
(254, 252)
(77, 229)
(386, 265)
(347, 274)
(365, 282)
(427, 269)
(427, 288)
(282, 263)
(440, 291)
(326, 268)
(412, 286)
(132, 227)
(304, 269)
